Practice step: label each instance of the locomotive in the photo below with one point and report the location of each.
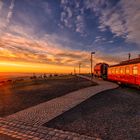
(100, 70)
(126, 72)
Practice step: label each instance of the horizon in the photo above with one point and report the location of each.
(56, 36)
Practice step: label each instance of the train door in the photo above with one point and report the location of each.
(104, 71)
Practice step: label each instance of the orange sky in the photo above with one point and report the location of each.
(7, 66)
(46, 42)
(21, 54)
(29, 55)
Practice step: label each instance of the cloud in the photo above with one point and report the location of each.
(66, 18)
(99, 39)
(122, 19)
(111, 41)
(132, 19)
(109, 17)
(113, 20)
(69, 12)
(19, 48)
(20, 43)
(80, 26)
(66, 14)
(102, 27)
(5, 16)
(95, 5)
(10, 11)
(64, 1)
(72, 16)
(1, 4)
(23, 49)
(120, 22)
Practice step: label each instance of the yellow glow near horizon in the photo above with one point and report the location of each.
(8, 66)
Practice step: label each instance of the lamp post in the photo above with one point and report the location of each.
(92, 62)
(129, 56)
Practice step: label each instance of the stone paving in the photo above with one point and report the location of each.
(44, 112)
(24, 131)
(27, 124)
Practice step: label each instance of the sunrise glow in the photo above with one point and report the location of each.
(44, 41)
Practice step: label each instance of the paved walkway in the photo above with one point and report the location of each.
(26, 124)
(14, 130)
(44, 112)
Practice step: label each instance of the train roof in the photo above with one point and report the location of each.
(101, 64)
(127, 62)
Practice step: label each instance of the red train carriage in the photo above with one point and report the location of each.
(127, 72)
(100, 70)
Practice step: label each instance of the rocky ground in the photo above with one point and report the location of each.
(23, 95)
(111, 115)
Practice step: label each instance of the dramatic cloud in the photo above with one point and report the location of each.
(123, 20)
(113, 21)
(26, 50)
(72, 17)
(22, 49)
(131, 14)
(65, 32)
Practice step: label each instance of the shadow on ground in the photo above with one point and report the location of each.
(111, 115)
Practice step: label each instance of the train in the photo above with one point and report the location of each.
(100, 70)
(126, 72)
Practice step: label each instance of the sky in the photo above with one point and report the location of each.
(57, 35)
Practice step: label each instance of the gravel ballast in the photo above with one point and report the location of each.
(110, 115)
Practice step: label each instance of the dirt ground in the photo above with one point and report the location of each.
(26, 94)
(110, 115)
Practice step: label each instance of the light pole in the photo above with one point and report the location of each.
(92, 62)
(129, 56)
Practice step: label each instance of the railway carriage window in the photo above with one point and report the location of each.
(112, 71)
(135, 70)
(117, 71)
(122, 71)
(127, 70)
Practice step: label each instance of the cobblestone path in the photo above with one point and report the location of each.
(27, 124)
(21, 130)
(44, 112)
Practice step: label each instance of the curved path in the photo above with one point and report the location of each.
(26, 124)
(44, 112)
